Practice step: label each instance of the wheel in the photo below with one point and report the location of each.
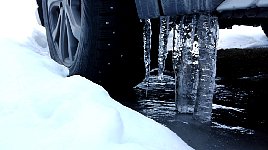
(99, 40)
(264, 27)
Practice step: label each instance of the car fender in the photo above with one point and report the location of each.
(148, 9)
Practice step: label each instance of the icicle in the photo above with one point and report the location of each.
(207, 38)
(162, 50)
(186, 66)
(147, 34)
(177, 46)
(176, 55)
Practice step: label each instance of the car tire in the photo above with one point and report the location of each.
(99, 40)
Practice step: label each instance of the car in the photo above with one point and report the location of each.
(105, 40)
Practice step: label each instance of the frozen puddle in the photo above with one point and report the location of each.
(229, 109)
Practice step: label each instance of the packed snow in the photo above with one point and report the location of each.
(41, 108)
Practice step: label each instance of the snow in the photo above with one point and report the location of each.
(236, 4)
(241, 4)
(41, 108)
(262, 3)
(242, 37)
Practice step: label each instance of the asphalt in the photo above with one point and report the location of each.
(231, 65)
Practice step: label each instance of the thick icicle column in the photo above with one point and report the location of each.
(194, 60)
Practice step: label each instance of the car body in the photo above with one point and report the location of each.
(229, 12)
